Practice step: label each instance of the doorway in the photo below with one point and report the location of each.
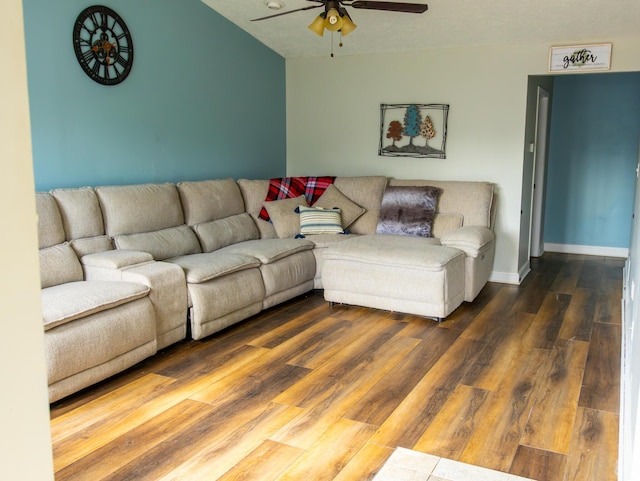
(536, 244)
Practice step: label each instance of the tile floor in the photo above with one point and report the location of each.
(407, 465)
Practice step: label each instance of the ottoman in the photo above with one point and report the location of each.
(414, 275)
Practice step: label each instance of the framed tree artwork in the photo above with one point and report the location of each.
(413, 130)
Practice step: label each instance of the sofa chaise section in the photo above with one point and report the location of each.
(464, 220)
(428, 276)
(396, 273)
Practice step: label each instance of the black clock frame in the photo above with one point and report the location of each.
(103, 45)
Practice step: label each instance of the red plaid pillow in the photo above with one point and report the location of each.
(290, 187)
(315, 187)
(283, 188)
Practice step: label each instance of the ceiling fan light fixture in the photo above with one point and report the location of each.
(347, 25)
(317, 26)
(334, 21)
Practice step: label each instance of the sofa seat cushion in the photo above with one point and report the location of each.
(325, 240)
(67, 302)
(89, 350)
(199, 268)
(403, 251)
(269, 250)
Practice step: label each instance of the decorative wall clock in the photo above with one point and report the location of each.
(103, 45)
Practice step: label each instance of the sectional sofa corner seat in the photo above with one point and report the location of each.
(189, 259)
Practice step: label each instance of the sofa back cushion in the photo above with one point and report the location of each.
(254, 192)
(80, 211)
(59, 265)
(82, 220)
(91, 245)
(472, 200)
(207, 200)
(215, 211)
(132, 209)
(443, 223)
(161, 244)
(220, 233)
(50, 227)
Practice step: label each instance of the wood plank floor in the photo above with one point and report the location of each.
(523, 380)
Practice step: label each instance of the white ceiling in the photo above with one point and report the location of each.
(447, 23)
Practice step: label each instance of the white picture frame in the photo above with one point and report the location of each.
(581, 58)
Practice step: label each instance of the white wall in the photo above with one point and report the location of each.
(333, 118)
(25, 441)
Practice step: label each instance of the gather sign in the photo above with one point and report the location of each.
(580, 57)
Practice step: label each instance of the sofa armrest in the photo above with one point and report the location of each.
(115, 259)
(168, 296)
(167, 282)
(469, 239)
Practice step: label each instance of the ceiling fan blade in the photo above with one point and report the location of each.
(390, 6)
(286, 13)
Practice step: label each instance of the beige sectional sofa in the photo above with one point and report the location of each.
(127, 270)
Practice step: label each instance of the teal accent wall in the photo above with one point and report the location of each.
(593, 152)
(204, 99)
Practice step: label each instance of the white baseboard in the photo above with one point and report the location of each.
(512, 278)
(504, 277)
(587, 250)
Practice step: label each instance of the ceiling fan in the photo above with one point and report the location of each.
(336, 18)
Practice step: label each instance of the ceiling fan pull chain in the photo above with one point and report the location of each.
(331, 44)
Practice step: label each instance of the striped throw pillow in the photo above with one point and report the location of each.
(315, 220)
